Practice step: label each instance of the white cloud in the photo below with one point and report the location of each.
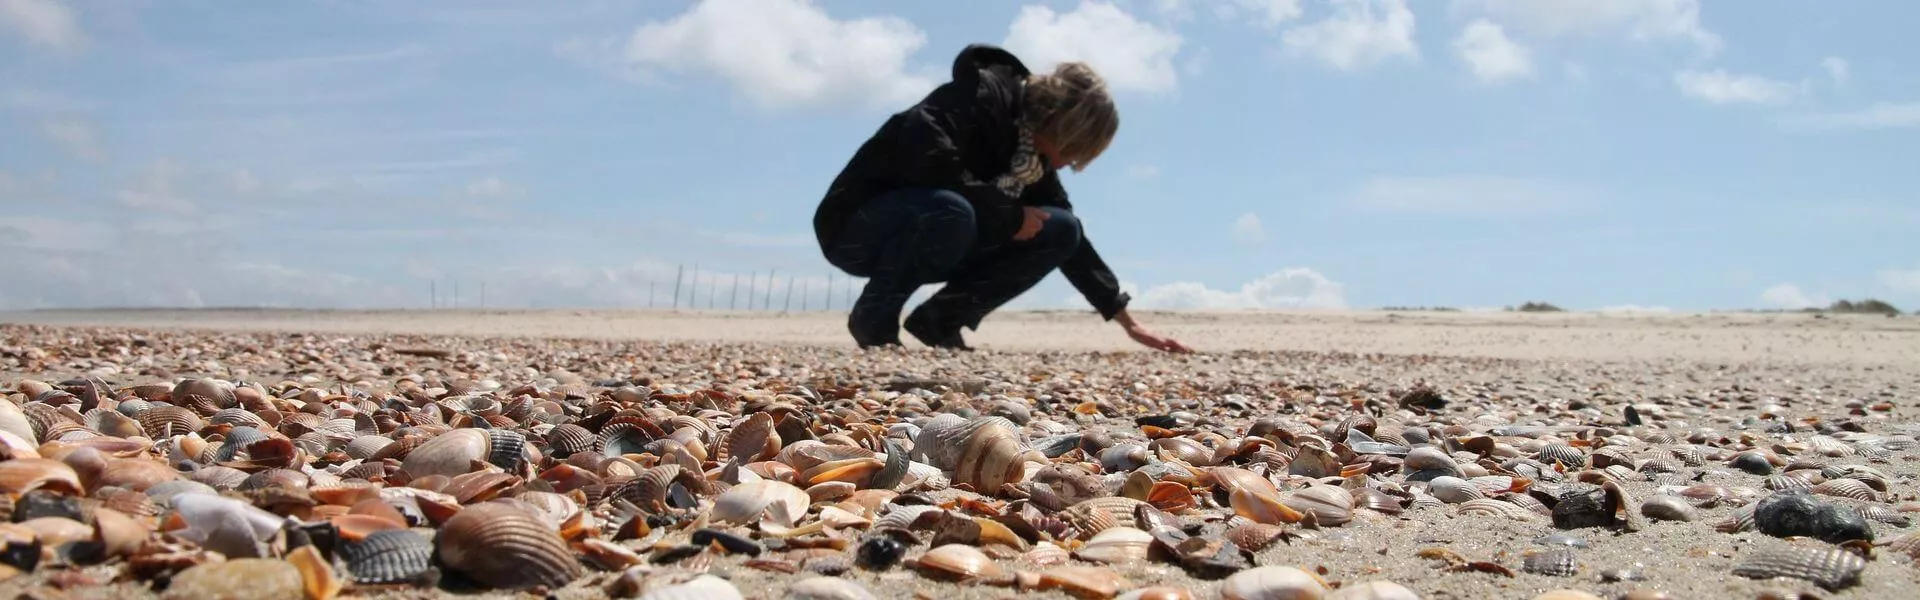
(1295, 287)
(1638, 20)
(1493, 56)
(1360, 34)
(158, 190)
(1131, 54)
(76, 136)
(487, 187)
(1905, 282)
(1791, 297)
(244, 183)
(784, 53)
(46, 22)
(1268, 13)
(1836, 68)
(1720, 87)
(1247, 229)
(1470, 195)
(1882, 115)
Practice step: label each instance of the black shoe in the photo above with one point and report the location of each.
(926, 327)
(872, 333)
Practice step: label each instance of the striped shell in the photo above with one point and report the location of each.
(1552, 562)
(1496, 508)
(1454, 490)
(1329, 505)
(1884, 515)
(1828, 567)
(366, 446)
(1831, 447)
(168, 421)
(1692, 456)
(388, 556)
(1787, 482)
(1847, 488)
(1568, 456)
(1741, 520)
(505, 548)
(566, 440)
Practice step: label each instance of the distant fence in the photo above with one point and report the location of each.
(690, 289)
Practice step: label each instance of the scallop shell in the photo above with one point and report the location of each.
(505, 548)
(1567, 456)
(1272, 582)
(1496, 508)
(568, 439)
(1329, 505)
(1453, 490)
(1552, 562)
(1847, 488)
(828, 588)
(1116, 545)
(389, 556)
(1828, 567)
(957, 562)
(1787, 482)
(776, 505)
(167, 421)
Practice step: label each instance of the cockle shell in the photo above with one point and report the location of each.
(1828, 567)
(775, 505)
(505, 548)
(1329, 505)
(957, 562)
(1273, 582)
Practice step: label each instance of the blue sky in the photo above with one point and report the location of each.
(1678, 154)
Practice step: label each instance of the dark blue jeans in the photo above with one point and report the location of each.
(917, 236)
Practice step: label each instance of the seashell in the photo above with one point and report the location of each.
(700, 587)
(1116, 545)
(1667, 508)
(366, 446)
(753, 439)
(1883, 514)
(1373, 590)
(1552, 562)
(1090, 517)
(775, 505)
(1082, 582)
(957, 562)
(1787, 482)
(1253, 536)
(1329, 505)
(390, 556)
(1847, 488)
(1691, 456)
(1314, 462)
(1428, 458)
(167, 421)
(1453, 490)
(225, 525)
(1159, 592)
(1828, 567)
(1046, 554)
(828, 588)
(1490, 507)
(22, 475)
(1566, 456)
(1273, 582)
(1740, 520)
(505, 548)
(568, 439)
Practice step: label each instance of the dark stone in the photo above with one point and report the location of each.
(732, 543)
(42, 503)
(1578, 509)
(1799, 513)
(879, 552)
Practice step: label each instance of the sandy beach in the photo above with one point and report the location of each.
(1723, 383)
(1842, 341)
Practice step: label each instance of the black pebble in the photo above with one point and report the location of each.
(42, 503)
(880, 552)
(1798, 513)
(1752, 462)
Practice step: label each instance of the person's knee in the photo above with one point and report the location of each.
(948, 216)
(1061, 230)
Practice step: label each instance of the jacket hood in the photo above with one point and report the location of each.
(975, 57)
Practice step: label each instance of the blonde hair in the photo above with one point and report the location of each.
(1072, 110)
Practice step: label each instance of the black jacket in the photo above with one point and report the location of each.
(965, 125)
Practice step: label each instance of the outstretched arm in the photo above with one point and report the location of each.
(1090, 274)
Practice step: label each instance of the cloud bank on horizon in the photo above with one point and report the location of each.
(1630, 155)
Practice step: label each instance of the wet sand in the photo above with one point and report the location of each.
(1716, 371)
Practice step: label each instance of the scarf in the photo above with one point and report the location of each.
(1025, 169)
